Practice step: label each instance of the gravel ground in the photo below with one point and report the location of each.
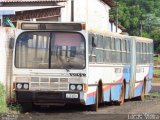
(149, 109)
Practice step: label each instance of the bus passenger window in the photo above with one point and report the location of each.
(99, 49)
(92, 45)
(124, 52)
(107, 47)
(118, 52)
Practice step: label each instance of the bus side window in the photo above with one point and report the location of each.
(147, 53)
(151, 52)
(99, 49)
(141, 53)
(128, 48)
(144, 53)
(91, 48)
(107, 47)
(118, 50)
(123, 48)
(137, 52)
(113, 50)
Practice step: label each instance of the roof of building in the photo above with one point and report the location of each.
(111, 3)
(18, 9)
(119, 25)
(32, 0)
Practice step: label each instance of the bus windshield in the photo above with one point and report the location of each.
(50, 50)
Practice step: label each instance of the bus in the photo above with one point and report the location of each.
(56, 63)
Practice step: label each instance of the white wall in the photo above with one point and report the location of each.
(112, 28)
(5, 54)
(93, 12)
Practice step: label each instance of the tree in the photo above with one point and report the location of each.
(139, 17)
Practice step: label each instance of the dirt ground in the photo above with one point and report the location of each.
(149, 107)
(131, 110)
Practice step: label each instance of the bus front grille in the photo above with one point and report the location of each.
(52, 84)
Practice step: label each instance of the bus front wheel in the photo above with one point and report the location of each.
(26, 107)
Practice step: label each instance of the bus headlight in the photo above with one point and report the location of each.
(72, 87)
(26, 86)
(19, 86)
(79, 87)
(22, 86)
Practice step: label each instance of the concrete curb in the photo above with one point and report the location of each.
(156, 84)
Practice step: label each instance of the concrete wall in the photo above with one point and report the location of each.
(112, 28)
(5, 55)
(93, 12)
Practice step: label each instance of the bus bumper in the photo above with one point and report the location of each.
(48, 97)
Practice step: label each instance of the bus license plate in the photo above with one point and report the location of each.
(69, 95)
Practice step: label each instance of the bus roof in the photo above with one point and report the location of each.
(48, 25)
(140, 39)
(143, 39)
(107, 33)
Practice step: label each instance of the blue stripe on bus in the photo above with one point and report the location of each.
(138, 90)
(90, 100)
(127, 73)
(127, 77)
(150, 72)
(106, 95)
(127, 91)
(115, 92)
(148, 86)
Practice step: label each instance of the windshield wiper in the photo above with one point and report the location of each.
(67, 67)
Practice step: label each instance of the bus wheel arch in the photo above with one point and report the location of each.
(141, 97)
(100, 91)
(98, 96)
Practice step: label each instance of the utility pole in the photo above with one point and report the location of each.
(72, 10)
(141, 28)
(117, 17)
(87, 14)
(1, 20)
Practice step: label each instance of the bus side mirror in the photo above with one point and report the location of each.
(11, 43)
(93, 43)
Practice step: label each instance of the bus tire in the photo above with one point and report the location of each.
(122, 94)
(94, 107)
(26, 107)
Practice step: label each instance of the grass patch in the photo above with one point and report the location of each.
(152, 95)
(156, 72)
(155, 94)
(3, 105)
(15, 108)
(156, 75)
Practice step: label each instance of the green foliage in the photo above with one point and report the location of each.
(3, 105)
(139, 17)
(156, 34)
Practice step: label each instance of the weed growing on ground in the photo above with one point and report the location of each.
(3, 105)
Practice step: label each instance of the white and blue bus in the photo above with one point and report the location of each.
(59, 63)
